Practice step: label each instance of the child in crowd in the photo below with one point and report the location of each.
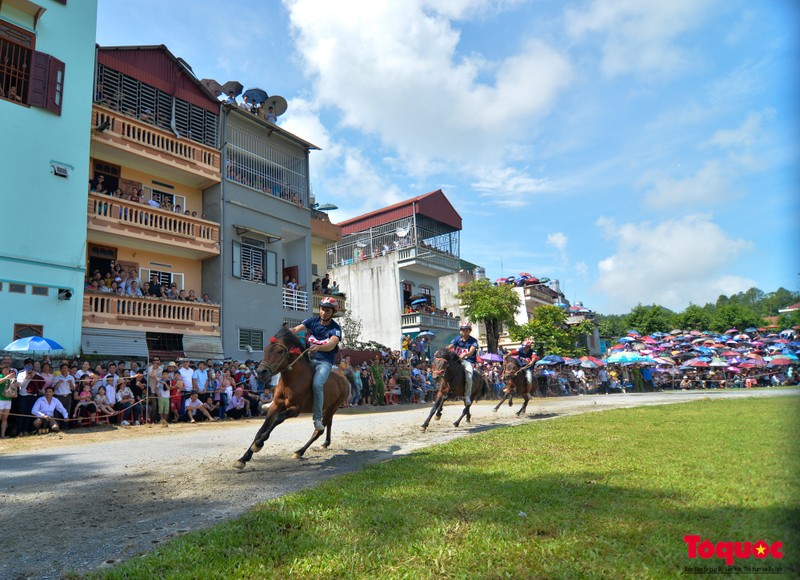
(101, 401)
(85, 405)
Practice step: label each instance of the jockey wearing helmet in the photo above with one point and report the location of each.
(323, 335)
(525, 356)
(466, 347)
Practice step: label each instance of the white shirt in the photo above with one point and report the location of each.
(63, 385)
(186, 377)
(41, 408)
(194, 404)
(124, 392)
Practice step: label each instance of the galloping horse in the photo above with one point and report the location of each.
(293, 395)
(447, 369)
(516, 383)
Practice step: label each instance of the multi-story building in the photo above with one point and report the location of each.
(264, 209)
(155, 147)
(46, 68)
(389, 263)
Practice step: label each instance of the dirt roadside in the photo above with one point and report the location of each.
(83, 500)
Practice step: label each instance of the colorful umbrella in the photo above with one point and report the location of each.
(33, 344)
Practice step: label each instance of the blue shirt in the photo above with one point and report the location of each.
(318, 333)
(462, 346)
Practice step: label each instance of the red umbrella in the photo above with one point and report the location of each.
(525, 275)
(729, 353)
(697, 363)
(780, 361)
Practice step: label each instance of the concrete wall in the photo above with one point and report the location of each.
(44, 241)
(374, 296)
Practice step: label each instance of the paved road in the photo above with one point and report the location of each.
(83, 501)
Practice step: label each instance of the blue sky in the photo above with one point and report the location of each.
(639, 152)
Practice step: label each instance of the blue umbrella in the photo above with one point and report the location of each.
(256, 96)
(420, 301)
(626, 339)
(426, 334)
(553, 359)
(33, 343)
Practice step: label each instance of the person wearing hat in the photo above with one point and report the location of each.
(323, 335)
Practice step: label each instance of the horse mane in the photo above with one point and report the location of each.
(290, 339)
(448, 355)
(512, 359)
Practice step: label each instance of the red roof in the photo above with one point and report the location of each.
(792, 307)
(159, 68)
(434, 205)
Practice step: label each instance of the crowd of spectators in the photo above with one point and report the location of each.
(120, 282)
(135, 195)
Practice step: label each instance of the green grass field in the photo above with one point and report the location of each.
(607, 494)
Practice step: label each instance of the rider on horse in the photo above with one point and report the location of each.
(466, 347)
(525, 356)
(323, 335)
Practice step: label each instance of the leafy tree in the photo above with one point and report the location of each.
(789, 319)
(492, 305)
(734, 316)
(551, 334)
(774, 301)
(351, 330)
(693, 318)
(612, 325)
(650, 319)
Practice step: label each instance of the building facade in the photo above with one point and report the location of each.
(263, 206)
(154, 152)
(389, 264)
(46, 68)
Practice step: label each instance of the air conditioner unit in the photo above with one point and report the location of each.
(60, 170)
(64, 293)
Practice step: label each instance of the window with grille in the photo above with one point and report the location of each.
(40, 290)
(252, 262)
(151, 105)
(251, 338)
(16, 288)
(28, 77)
(25, 330)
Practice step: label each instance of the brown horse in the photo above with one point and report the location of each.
(516, 383)
(294, 395)
(449, 372)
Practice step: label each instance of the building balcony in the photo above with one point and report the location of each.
(316, 297)
(540, 293)
(295, 300)
(425, 260)
(321, 227)
(114, 221)
(126, 141)
(417, 321)
(150, 314)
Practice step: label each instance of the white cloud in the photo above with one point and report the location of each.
(710, 185)
(746, 134)
(671, 263)
(508, 187)
(639, 37)
(581, 268)
(558, 240)
(394, 70)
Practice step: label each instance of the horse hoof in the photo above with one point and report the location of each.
(423, 428)
(256, 448)
(437, 417)
(455, 424)
(239, 465)
(325, 445)
(494, 410)
(297, 455)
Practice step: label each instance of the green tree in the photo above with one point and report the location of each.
(693, 318)
(351, 330)
(492, 305)
(551, 334)
(650, 319)
(734, 316)
(789, 319)
(612, 325)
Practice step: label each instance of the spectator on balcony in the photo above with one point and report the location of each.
(246, 104)
(286, 281)
(293, 285)
(134, 290)
(231, 100)
(325, 283)
(155, 287)
(270, 115)
(182, 295)
(172, 293)
(101, 287)
(191, 297)
(122, 281)
(334, 288)
(206, 299)
(99, 184)
(316, 286)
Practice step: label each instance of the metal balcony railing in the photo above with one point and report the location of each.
(295, 299)
(129, 312)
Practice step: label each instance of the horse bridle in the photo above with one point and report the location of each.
(286, 352)
(436, 373)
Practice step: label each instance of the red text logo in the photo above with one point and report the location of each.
(729, 551)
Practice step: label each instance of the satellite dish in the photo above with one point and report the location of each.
(277, 103)
(403, 231)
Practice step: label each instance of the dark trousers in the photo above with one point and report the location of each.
(24, 406)
(405, 390)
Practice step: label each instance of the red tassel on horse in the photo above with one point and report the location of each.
(273, 340)
(296, 350)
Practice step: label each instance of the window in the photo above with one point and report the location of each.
(146, 275)
(251, 338)
(40, 290)
(24, 330)
(26, 76)
(16, 53)
(252, 262)
(314, 270)
(17, 288)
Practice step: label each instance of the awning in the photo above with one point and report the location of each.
(114, 343)
(199, 347)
